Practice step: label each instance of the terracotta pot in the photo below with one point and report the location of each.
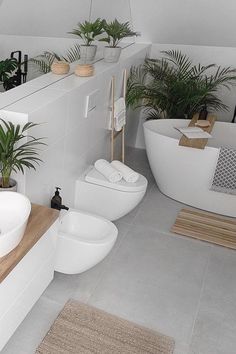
(84, 70)
(111, 54)
(12, 188)
(87, 53)
(60, 67)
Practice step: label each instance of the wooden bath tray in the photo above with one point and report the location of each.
(205, 226)
(198, 143)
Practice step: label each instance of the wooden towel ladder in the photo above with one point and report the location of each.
(115, 134)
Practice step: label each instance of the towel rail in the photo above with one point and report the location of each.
(115, 134)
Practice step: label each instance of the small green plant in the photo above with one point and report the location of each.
(44, 61)
(116, 31)
(7, 67)
(88, 31)
(172, 87)
(17, 149)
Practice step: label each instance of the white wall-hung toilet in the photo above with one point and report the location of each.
(83, 241)
(95, 194)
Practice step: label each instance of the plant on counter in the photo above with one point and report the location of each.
(7, 67)
(44, 61)
(17, 150)
(115, 32)
(88, 31)
(172, 87)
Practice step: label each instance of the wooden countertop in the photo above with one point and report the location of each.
(40, 220)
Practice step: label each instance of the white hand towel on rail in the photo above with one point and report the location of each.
(119, 114)
(127, 173)
(105, 168)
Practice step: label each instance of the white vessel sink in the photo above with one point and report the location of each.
(84, 240)
(14, 213)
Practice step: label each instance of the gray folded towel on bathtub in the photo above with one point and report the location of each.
(225, 174)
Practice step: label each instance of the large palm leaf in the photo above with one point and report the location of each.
(173, 87)
(16, 152)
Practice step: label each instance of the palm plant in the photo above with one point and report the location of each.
(7, 67)
(172, 87)
(116, 31)
(44, 61)
(17, 150)
(88, 31)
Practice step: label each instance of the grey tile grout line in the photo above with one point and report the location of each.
(200, 298)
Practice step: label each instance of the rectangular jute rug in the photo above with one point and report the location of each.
(82, 329)
(206, 226)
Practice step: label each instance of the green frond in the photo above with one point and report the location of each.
(88, 31)
(15, 156)
(174, 87)
(73, 54)
(115, 31)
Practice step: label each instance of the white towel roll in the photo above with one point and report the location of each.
(127, 173)
(105, 168)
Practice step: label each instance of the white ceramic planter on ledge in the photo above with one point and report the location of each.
(87, 53)
(112, 54)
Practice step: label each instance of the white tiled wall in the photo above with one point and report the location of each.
(74, 142)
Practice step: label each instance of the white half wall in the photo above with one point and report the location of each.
(73, 141)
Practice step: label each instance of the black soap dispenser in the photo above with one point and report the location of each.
(56, 200)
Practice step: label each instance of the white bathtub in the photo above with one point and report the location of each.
(185, 174)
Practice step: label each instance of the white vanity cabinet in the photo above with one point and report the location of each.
(26, 282)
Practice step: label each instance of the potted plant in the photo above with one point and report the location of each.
(44, 61)
(7, 67)
(172, 87)
(17, 151)
(88, 31)
(115, 32)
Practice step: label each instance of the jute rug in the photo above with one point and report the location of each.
(82, 329)
(206, 226)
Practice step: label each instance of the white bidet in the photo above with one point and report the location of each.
(83, 241)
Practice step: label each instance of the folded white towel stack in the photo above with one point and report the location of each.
(127, 173)
(108, 171)
(119, 114)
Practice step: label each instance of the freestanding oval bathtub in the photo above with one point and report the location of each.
(185, 174)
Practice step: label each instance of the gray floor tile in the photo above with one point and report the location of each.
(136, 158)
(33, 329)
(176, 285)
(215, 326)
(129, 218)
(158, 211)
(154, 280)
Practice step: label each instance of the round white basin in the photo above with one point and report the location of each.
(15, 209)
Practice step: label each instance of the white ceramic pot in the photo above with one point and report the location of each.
(87, 53)
(111, 54)
(12, 188)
